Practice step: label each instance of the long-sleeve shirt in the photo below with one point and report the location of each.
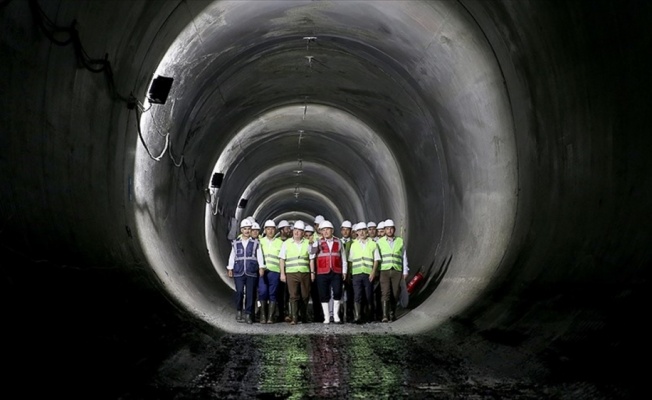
(329, 242)
(406, 270)
(259, 255)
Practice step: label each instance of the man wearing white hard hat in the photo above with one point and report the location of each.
(255, 231)
(308, 233)
(345, 232)
(268, 285)
(331, 269)
(298, 271)
(363, 263)
(318, 220)
(371, 231)
(284, 230)
(393, 269)
(246, 264)
(380, 230)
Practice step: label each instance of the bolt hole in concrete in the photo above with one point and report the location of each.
(402, 113)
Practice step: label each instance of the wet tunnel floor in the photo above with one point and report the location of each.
(343, 367)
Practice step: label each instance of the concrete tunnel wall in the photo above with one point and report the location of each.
(518, 128)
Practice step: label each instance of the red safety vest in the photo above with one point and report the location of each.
(329, 259)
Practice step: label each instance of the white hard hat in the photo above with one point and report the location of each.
(360, 226)
(269, 223)
(371, 224)
(255, 226)
(381, 225)
(283, 224)
(309, 228)
(245, 223)
(319, 219)
(346, 224)
(389, 223)
(251, 218)
(299, 225)
(325, 224)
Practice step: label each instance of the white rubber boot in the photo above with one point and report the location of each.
(324, 307)
(336, 311)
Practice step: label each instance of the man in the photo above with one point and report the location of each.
(245, 265)
(309, 233)
(255, 231)
(318, 220)
(331, 270)
(268, 285)
(363, 262)
(284, 233)
(393, 268)
(371, 230)
(346, 239)
(297, 270)
(380, 230)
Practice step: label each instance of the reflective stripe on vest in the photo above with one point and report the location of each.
(270, 252)
(391, 258)
(362, 259)
(297, 258)
(245, 260)
(329, 259)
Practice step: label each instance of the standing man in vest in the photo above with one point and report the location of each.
(363, 262)
(317, 235)
(297, 270)
(284, 233)
(380, 230)
(268, 285)
(245, 265)
(345, 238)
(331, 270)
(393, 268)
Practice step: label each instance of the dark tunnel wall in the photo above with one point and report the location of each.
(574, 265)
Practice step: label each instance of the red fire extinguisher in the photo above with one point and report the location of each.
(414, 282)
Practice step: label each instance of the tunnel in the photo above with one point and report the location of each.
(506, 139)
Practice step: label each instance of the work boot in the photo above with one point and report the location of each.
(385, 311)
(336, 312)
(324, 307)
(288, 315)
(304, 312)
(248, 319)
(272, 310)
(356, 312)
(294, 311)
(392, 311)
(263, 313)
(238, 316)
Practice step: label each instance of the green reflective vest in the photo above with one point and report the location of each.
(270, 252)
(297, 258)
(391, 257)
(362, 258)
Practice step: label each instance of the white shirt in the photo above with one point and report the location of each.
(329, 242)
(259, 255)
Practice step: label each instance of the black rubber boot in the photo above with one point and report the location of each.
(238, 316)
(294, 312)
(263, 313)
(304, 312)
(272, 310)
(356, 313)
(248, 319)
(385, 311)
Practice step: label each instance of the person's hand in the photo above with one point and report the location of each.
(312, 276)
(282, 276)
(230, 273)
(261, 272)
(371, 278)
(405, 277)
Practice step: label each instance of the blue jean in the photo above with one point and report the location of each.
(268, 286)
(248, 282)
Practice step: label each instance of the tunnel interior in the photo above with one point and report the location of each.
(506, 139)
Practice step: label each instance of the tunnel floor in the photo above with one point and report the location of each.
(104, 333)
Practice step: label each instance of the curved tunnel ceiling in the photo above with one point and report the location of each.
(389, 109)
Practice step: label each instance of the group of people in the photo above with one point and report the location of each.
(291, 264)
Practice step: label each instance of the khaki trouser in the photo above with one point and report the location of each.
(390, 278)
(298, 286)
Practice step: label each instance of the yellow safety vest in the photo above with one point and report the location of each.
(362, 259)
(270, 252)
(391, 257)
(297, 258)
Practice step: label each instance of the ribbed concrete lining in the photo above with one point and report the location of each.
(518, 128)
(407, 108)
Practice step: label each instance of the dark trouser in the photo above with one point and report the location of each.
(268, 285)
(317, 311)
(299, 286)
(348, 287)
(326, 282)
(362, 287)
(390, 279)
(248, 282)
(281, 298)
